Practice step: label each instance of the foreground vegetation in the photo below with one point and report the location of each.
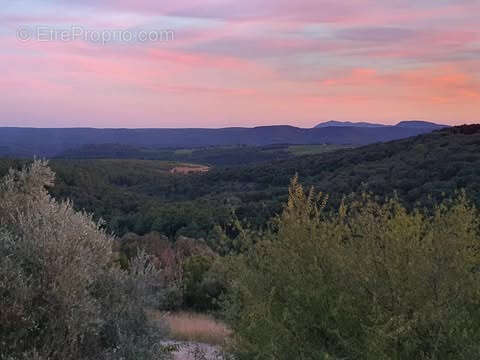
(61, 294)
(371, 281)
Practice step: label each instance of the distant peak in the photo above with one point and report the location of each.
(419, 123)
(333, 123)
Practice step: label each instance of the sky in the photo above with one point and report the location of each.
(222, 63)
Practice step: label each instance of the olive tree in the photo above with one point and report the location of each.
(61, 294)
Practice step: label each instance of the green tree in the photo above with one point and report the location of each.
(371, 281)
(200, 285)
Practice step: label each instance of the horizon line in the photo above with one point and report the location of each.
(230, 127)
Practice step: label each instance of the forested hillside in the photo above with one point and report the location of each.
(141, 196)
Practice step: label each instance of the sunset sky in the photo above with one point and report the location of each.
(242, 63)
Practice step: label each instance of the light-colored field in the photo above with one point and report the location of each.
(148, 167)
(197, 328)
(152, 167)
(193, 328)
(189, 169)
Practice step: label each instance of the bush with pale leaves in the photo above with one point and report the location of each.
(61, 296)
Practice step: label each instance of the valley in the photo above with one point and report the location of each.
(142, 195)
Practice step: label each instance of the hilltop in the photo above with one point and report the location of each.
(347, 124)
(402, 124)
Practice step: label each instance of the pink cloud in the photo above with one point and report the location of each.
(442, 82)
(250, 63)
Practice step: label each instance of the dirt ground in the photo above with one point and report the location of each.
(195, 351)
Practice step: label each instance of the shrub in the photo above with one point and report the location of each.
(199, 293)
(61, 297)
(188, 276)
(372, 281)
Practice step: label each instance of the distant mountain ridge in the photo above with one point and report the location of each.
(28, 142)
(420, 124)
(347, 124)
(411, 123)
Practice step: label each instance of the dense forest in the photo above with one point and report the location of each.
(142, 196)
(211, 155)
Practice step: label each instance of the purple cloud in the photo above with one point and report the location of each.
(376, 34)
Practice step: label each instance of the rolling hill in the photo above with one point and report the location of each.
(28, 142)
(134, 196)
(348, 123)
(402, 124)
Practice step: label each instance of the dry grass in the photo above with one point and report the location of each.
(190, 169)
(197, 328)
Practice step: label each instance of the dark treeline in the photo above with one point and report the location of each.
(212, 155)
